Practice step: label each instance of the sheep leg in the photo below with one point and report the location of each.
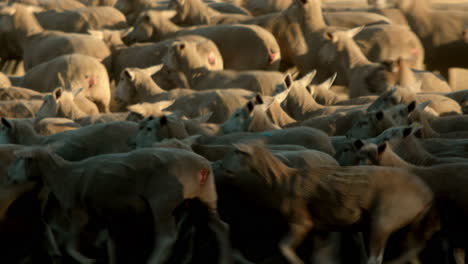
(376, 250)
(51, 242)
(459, 255)
(209, 197)
(378, 236)
(111, 251)
(221, 230)
(299, 226)
(166, 231)
(79, 221)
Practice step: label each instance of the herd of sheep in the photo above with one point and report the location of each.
(233, 131)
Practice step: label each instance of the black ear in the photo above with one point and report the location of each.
(163, 120)
(57, 93)
(411, 106)
(387, 64)
(407, 131)
(328, 35)
(250, 106)
(288, 81)
(258, 99)
(181, 46)
(147, 18)
(382, 148)
(304, 2)
(6, 123)
(128, 74)
(358, 144)
(379, 115)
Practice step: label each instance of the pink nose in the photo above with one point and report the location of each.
(415, 51)
(273, 56)
(211, 58)
(92, 81)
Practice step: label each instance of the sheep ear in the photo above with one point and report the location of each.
(391, 66)
(6, 123)
(57, 93)
(259, 99)
(154, 69)
(280, 97)
(250, 106)
(381, 148)
(330, 36)
(266, 103)
(411, 106)
(60, 79)
(358, 144)
(311, 89)
(354, 31)
(243, 149)
(407, 131)
(181, 46)
(288, 81)
(422, 106)
(125, 32)
(129, 74)
(34, 9)
(379, 115)
(327, 84)
(96, 33)
(164, 104)
(410, 130)
(307, 79)
(137, 109)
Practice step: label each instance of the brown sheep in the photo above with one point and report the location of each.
(308, 197)
(444, 181)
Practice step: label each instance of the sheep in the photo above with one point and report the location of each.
(255, 171)
(38, 45)
(444, 181)
(440, 32)
(82, 72)
(259, 47)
